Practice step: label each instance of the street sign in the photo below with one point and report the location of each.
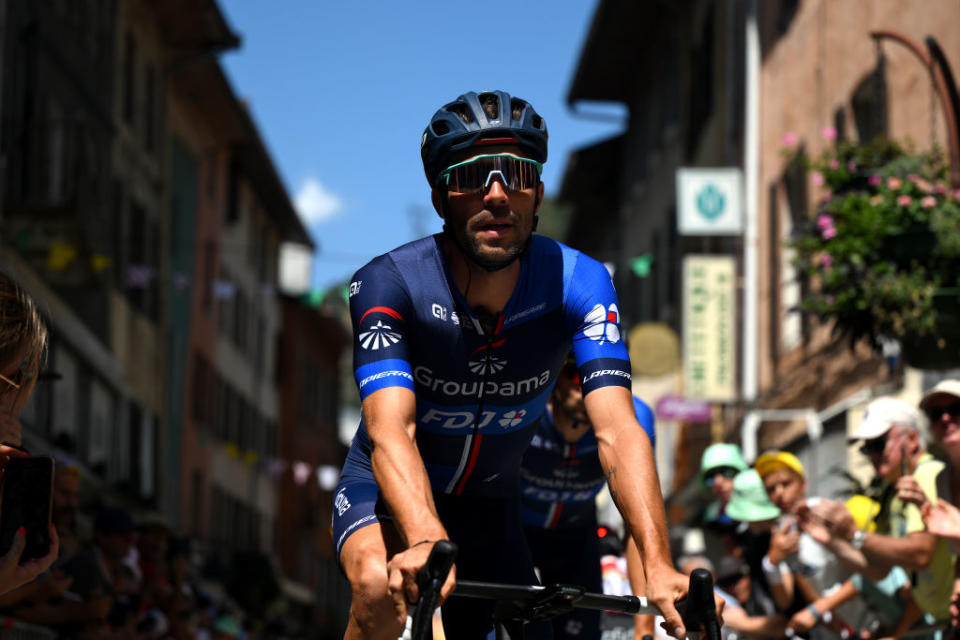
(709, 201)
(683, 409)
(709, 340)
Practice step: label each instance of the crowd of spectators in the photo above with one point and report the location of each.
(879, 564)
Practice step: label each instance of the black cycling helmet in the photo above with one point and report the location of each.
(464, 123)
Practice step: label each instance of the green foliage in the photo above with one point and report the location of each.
(884, 241)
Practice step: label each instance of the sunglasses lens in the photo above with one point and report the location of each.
(476, 175)
(936, 413)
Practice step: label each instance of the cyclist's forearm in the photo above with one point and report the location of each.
(398, 467)
(628, 463)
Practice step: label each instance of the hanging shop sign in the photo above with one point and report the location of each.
(709, 201)
(709, 341)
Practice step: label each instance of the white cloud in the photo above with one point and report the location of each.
(315, 203)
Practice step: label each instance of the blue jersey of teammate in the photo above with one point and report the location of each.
(479, 390)
(560, 479)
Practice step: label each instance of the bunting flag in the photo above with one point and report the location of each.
(276, 467)
(223, 289)
(641, 265)
(301, 472)
(232, 450)
(139, 276)
(181, 281)
(327, 476)
(60, 256)
(99, 262)
(250, 458)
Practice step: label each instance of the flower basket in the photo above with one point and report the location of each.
(881, 257)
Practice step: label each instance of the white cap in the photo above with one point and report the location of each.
(950, 388)
(881, 415)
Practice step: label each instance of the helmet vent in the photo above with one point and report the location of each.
(440, 128)
(491, 105)
(536, 121)
(462, 111)
(516, 109)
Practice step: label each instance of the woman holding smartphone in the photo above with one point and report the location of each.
(23, 343)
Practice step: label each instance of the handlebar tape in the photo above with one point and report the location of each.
(430, 579)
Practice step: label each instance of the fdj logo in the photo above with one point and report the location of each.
(603, 324)
(341, 503)
(711, 202)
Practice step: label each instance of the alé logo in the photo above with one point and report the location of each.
(341, 503)
(603, 324)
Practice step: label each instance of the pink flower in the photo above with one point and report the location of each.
(940, 188)
(829, 232)
(817, 179)
(828, 133)
(877, 199)
(874, 180)
(956, 194)
(834, 163)
(824, 221)
(789, 139)
(851, 166)
(904, 200)
(894, 182)
(824, 259)
(928, 202)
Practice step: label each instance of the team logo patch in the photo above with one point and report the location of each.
(603, 324)
(341, 503)
(512, 418)
(488, 365)
(379, 335)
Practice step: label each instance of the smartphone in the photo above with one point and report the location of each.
(27, 502)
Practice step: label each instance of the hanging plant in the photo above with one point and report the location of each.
(881, 256)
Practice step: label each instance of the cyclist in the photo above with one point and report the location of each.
(458, 338)
(561, 476)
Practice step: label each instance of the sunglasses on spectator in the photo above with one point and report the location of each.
(874, 446)
(711, 475)
(474, 175)
(935, 414)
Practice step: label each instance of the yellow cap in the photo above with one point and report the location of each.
(777, 460)
(864, 511)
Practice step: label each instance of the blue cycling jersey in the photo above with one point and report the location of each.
(560, 479)
(479, 391)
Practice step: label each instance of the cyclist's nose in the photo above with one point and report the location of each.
(496, 195)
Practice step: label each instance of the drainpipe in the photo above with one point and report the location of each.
(751, 169)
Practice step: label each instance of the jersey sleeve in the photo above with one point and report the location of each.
(645, 418)
(593, 319)
(381, 315)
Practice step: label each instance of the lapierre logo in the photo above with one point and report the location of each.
(341, 503)
(603, 324)
(424, 376)
(461, 419)
(384, 374)
(607, 372)
(355, 287)
(379, 335)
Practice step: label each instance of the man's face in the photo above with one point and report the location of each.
(493, 226)
(886, 452)
(786, 489)
(944, 415)
(720, 482)
(66, 492)
(569, 394)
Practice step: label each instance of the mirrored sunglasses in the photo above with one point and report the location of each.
(476, 174)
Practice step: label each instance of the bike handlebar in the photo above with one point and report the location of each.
(697, 609)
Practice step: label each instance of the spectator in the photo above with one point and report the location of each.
(766, 544)
(23, 343)
(891, 439)
(66, 499)
(719, 465)
(942, 407)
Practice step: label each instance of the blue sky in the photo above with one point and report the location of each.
(342, 91)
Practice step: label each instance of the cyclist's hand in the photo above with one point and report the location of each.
(402, 578)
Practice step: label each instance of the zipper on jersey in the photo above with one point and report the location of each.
(570, 452)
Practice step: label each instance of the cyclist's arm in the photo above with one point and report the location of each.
(390, 416)
(631, 474)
